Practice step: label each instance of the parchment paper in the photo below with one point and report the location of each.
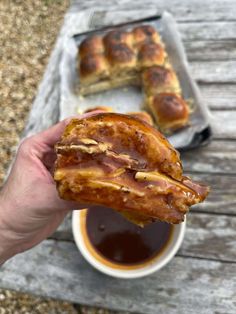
(129, 98)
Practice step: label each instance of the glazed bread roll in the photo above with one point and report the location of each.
(119, 54)
(118, 37)
(135, 57)
(171, 112)
(91, 45)
(145, 33)
(121, 58)
(93, 68)
(151, 54)
(158, 79)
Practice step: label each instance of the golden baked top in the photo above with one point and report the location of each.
(157, 79)
(135, 57)
(136, 49)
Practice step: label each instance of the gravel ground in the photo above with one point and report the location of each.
(28, 29)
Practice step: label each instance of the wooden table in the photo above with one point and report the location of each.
(202, 277)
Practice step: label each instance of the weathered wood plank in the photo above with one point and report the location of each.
(214, 31)
(211, 158)
(194, 10)
(62, 273)
(207, 236)
(223, 124)
(210, 236)
(214, 71)
(219, 96)
(222, 198)
(211, 50)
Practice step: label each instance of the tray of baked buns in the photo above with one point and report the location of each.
(138, 68)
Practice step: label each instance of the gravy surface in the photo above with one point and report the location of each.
(122, 242)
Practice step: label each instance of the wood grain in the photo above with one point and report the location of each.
(210, 50)
(211, 158)
(186, 285)
(210, 236)
(214, 71)
(194, 10)
(223, 124)
(215, 31)
(221, 96)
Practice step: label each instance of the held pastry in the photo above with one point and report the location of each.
(121, 162)
(134, 57)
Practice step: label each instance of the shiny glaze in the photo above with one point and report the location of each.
(120, 162)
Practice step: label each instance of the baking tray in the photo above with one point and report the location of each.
(130, 98)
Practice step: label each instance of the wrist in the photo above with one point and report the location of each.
(8, 246)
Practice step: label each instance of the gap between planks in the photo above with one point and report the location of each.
(205, 259)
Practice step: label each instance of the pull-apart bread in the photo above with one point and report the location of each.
(135, 57)
(124, 163)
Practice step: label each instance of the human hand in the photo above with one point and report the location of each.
(30, 208)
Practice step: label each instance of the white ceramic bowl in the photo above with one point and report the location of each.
(87, 250)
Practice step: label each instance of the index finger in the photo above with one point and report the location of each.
(52, 135)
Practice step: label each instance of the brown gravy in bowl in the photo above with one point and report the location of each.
(118, 241)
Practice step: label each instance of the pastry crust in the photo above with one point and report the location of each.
(151, 54)
(91, 46)
(117, 37)
(121, 162)
(171, 111)
(145, 33)
(92, 68)
(142, 115)
(121, 58)
(158, 79)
